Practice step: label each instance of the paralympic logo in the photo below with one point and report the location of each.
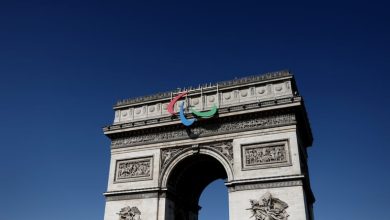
(185, 121)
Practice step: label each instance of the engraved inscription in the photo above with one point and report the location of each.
(264, 154)
(134, 169)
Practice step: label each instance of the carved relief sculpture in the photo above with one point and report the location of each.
(268, 208)
(256, 143)
(264, 155)
(226, 148)
(168, 154)
(235, 82)
(223, 127)
(129, 213)
(134, 169)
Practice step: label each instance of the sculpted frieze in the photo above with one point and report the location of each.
(205, 130)
(168, 153)
(133, 169)
(235, 82)
(224, 148)
(263, 155)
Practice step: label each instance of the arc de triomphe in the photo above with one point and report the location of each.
(252, 132)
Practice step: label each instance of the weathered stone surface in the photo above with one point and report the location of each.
(269, 207)
(264, 155)
(257, 142)
(218, 127)
(134, 169)
(221, 94)
(207, 87)
(129, 213)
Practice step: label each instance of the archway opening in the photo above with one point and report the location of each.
(188, 180)
(214, 202)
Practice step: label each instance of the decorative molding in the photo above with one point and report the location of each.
(216, 127)
(267, 185)
(129, 213)
(134, 169)
(268, 208)
(224, 148)
(265, 155)
(223, 84)
(137, 195)
(225, 94)
(144, 121)
(167, 154)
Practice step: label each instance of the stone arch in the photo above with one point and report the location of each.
(187, 175)
(185, 154)
(266, 117)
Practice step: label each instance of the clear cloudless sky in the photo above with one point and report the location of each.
(63, 64)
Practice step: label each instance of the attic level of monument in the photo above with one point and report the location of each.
(265, 77)
(253, 132)
(259, 93)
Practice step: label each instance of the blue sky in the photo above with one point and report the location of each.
(63, 65)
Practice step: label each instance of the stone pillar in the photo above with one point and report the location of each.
(269, 180)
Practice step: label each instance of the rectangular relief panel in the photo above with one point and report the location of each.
(265, 155)
(134, 169)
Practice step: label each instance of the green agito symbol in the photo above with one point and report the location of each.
(184, 120)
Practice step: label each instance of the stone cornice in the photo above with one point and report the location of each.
(238, 109)
(149, 122)
(243, 91)
(215, 126)
(266, 183)
(132, 194)
(244, 184)
(223, 84)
